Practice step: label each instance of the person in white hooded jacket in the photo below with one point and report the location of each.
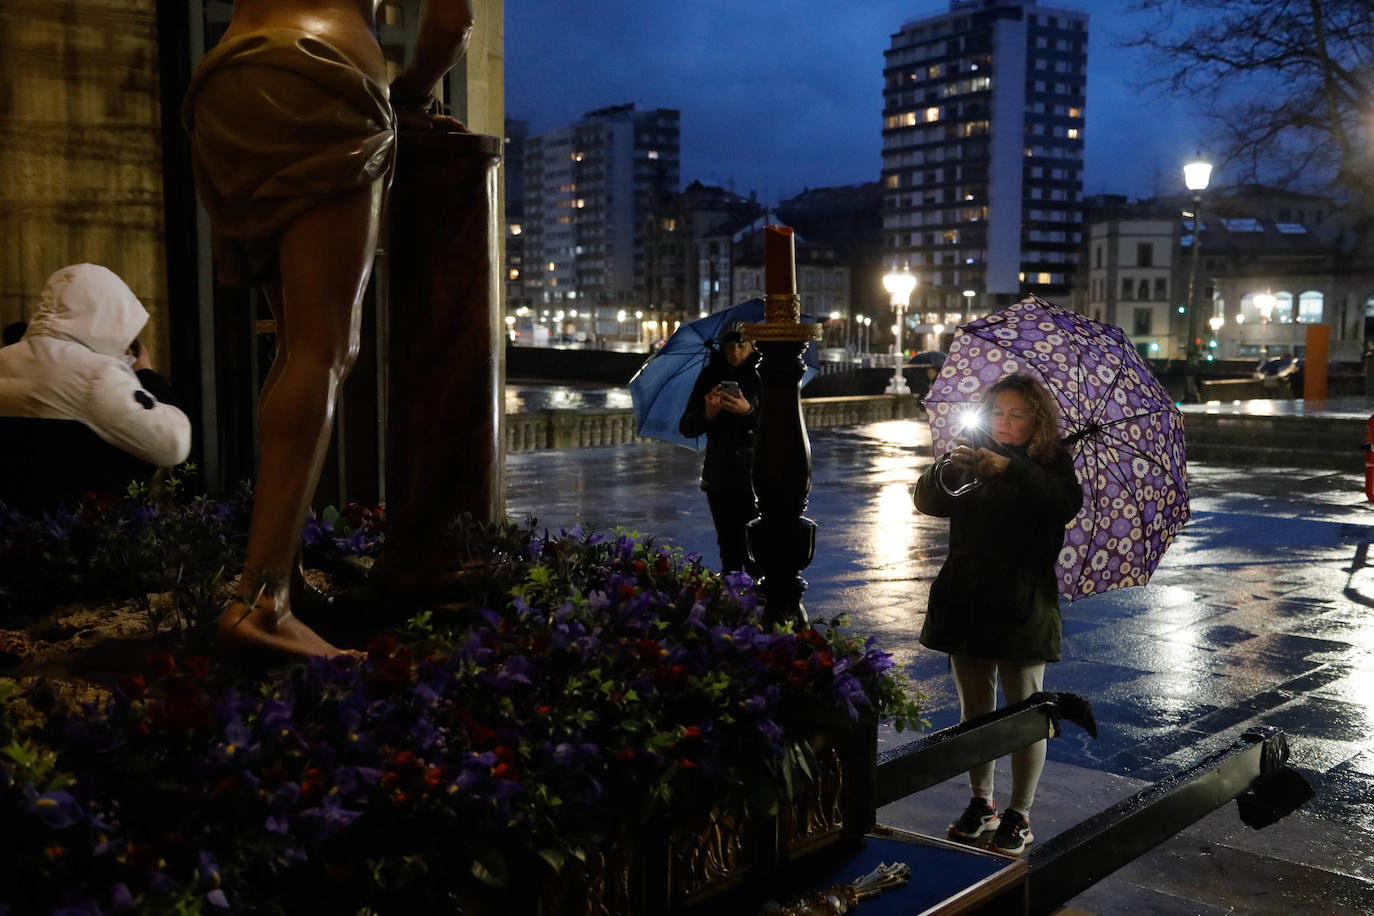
(75, 416)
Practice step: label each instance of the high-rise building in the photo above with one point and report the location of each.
(513, 159)
(983, 113)
(591, 194)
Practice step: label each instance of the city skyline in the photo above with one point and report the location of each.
(776, 122)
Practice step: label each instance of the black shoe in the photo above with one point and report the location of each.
(979, 817)
(1013, 834)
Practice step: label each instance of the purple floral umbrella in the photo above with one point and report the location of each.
(1125, 433)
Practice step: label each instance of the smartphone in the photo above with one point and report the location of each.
(730, 388)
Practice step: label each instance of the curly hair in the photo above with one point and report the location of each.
(1044, 441)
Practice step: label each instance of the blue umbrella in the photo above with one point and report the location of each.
(662, 386)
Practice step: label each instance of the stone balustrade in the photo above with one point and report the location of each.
(548, 429)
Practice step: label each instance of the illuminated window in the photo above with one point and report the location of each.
(513, 274)
(577, 157)
(580, 203)
(1075, 112)
(1073, 133)
(1042, 278)
(892, 181)
(515, 229)
(552, 266)
(653, 154)
(932, 114)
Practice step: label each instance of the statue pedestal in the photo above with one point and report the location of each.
(443, 376)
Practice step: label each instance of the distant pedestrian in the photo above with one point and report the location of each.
(724, 408)
(994, 607)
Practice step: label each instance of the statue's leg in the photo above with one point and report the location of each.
(325, 258)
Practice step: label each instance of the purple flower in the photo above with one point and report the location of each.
(851, 693)
(424, 733)
(216, 898)
(333, 817)
(57, 810)
(315, 533)
(356, 544)
(120, 897)
(515, 670)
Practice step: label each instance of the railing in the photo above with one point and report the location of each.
(527, 432)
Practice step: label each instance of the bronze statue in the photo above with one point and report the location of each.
(293, 134)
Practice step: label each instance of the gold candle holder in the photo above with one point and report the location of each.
(782, 321)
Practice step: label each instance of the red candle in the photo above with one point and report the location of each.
(779, 263)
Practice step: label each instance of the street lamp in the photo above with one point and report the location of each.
(1264, 304)
(899, 284)
(1196, 174)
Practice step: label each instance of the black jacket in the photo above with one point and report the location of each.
(730, 436)
(997, 595)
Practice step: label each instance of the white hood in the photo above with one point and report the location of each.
(89, 304)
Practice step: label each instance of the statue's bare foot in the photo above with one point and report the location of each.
(260, 629)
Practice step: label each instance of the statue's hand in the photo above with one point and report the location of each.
(410, 119)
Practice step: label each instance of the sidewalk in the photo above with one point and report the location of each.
(1260, 614)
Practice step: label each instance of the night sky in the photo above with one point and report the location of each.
(776, 96)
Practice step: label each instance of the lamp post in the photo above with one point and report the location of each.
(1264, 304)
(899, 284)
(1196, 174)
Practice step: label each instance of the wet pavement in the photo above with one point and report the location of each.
(1261, 613)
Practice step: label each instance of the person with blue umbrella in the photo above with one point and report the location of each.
(723, 407)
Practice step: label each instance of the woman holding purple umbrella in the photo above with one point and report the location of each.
(994, 607)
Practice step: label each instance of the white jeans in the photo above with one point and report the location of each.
(976, 681)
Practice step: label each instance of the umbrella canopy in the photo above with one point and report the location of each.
(1124, 431)
(661, 387)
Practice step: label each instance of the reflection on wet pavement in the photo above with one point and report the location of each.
(1261, 613)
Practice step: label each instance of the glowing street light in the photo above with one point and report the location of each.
(1196, 175)
(899, 284)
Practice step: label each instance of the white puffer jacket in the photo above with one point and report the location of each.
(70, 365)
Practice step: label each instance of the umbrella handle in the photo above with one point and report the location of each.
(943, 462)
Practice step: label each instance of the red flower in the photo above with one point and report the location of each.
(825, 659)
(627, 592)
(133, 686)
(403, 759)
(662, 566)
(434, 778)
(686, 764)
(381, 645)
(160, 664)
(480, 734)
(198, 666)
(691, 731)
(638, 566)
(650, 651)
(543, 709)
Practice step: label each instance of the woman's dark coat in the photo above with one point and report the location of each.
(997, 595)
(730, 436)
